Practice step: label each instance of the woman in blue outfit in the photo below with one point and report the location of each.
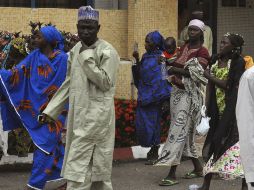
(152, 91)
(28, 88)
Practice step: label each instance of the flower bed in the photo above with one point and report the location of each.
(125, 124)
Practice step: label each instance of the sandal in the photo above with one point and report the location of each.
(193, 174)
(168, 182)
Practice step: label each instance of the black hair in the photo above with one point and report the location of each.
(202, 38)
(237, 66)
(171, 38)
(237, 41)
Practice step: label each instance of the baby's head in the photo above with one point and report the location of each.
(170, 45)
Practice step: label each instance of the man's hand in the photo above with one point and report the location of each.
(45, 119)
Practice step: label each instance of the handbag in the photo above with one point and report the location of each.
(203, 127)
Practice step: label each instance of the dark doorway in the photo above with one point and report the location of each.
(185, 7)
(60, 4)
(70, 4)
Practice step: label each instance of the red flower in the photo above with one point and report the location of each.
(129, 129)
(127, 117)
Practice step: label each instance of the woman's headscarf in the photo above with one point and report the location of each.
(198, 23)
(52, 35)
(157, 39)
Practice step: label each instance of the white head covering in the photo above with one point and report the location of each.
(88, 13)
(198, 23)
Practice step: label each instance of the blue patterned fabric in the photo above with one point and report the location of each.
(148, 126)
(27, 89)
(46, 167)
(88, 13)
(151, 87)
(152, 91)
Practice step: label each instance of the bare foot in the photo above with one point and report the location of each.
(171, 175)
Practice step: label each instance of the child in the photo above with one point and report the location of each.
(168, 56)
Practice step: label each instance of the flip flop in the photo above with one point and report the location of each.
(168, 182)
(192, 175)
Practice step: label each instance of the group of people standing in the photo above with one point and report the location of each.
(189, 74)
(38, 92)
(49, 83)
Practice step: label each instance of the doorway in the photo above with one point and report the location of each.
(185, 7)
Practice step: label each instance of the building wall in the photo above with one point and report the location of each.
(119, 27)
(124, 87)
(113, 23)
(145, 16)
(238, 20)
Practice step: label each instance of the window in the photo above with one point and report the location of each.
(242, 3)
(111, 4)
(233, 3)
(73, 4)
(15, 3)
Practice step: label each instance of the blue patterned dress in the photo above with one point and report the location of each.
(28, 88)
(152, 91)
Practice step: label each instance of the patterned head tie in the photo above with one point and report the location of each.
(88, 13)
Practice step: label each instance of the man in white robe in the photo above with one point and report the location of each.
(90, 88)
(245, 122)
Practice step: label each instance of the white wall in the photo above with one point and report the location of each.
(238, 20)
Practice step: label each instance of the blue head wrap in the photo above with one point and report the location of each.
(52, 35)
(157, 39)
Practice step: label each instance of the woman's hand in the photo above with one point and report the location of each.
(161, 60)
(207, 74)
(136, 56)
(171, 70)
